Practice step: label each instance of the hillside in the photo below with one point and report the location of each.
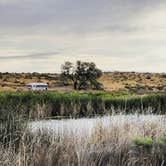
(136, 82)
(112, 81)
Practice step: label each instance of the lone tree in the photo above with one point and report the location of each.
(83, 75)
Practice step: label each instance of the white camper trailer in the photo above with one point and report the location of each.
(37, 86)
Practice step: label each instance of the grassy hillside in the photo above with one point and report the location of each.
(135, 82)
(112, 81)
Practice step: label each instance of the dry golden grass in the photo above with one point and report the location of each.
(138, 82)
(112, 81)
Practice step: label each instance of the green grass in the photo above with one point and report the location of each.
(47, 104)
(144, 142)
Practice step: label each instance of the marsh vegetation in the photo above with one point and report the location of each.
(110, 140)
(42, 105)
(126, 131)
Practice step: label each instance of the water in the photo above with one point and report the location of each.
(70, 127)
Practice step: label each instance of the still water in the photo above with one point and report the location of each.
(77, 127)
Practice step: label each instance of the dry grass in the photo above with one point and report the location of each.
(136, 82)
(111, 145)
(112, 81)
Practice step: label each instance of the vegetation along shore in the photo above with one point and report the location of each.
(49, 104)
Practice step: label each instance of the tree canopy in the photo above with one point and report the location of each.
(83, 75)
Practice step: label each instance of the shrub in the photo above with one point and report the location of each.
(144, 142)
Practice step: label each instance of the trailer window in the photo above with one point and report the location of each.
(41, 86)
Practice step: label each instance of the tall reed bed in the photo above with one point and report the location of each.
(116, 144)
(40, 105)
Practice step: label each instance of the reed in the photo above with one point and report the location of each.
(124, 143)
(79, 104)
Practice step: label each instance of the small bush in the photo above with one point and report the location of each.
(145, 142)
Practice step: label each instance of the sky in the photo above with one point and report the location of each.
(118, 35)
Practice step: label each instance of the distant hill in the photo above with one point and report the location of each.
(135, 82)
(112, 81)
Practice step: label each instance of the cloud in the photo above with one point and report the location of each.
(70, 14)
(119, 34)
(30, 56)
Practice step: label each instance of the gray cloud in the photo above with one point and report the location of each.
(98, 29)
(30, 56)
(71, 15)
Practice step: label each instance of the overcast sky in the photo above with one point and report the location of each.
(124, 35)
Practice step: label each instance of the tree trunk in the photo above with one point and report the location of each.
(75, 85)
